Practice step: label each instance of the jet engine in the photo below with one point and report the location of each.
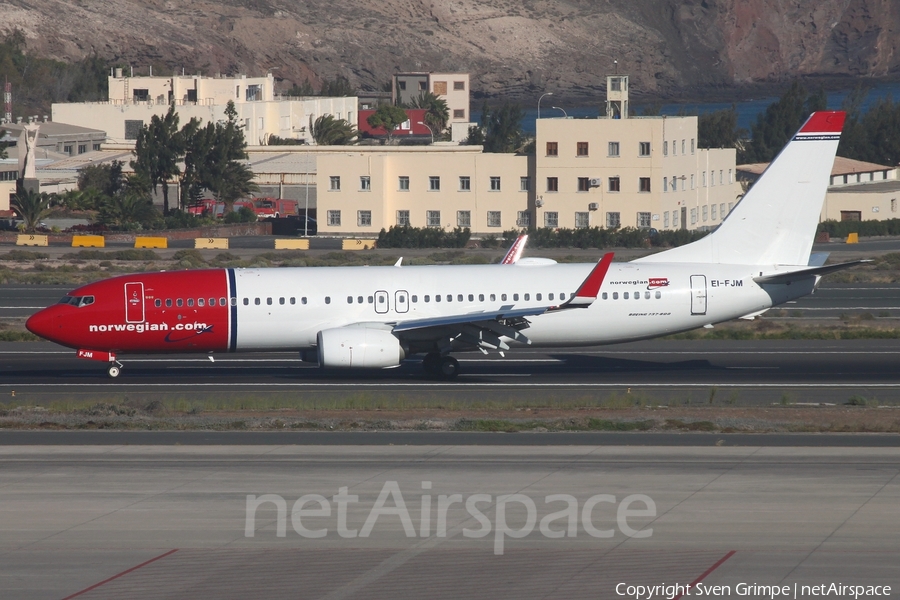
(359, 347)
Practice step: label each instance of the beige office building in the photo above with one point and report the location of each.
(133, 101)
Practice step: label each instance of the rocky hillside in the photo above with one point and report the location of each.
(517, 48)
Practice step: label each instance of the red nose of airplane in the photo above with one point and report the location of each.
(43, 323)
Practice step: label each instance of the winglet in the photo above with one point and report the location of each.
(589, 288)
(515, 251)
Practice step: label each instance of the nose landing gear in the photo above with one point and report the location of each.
(114, 369)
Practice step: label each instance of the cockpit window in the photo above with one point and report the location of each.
(78, 301)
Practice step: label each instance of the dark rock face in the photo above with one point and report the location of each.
(513, 48)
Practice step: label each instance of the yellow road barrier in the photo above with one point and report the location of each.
(29, 239)
(292, 244)
(211, 243)
(88, 241)
(357, 244)
(852, 238)
(151, 242)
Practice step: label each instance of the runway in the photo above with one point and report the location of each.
(736, 372)
(224, 522)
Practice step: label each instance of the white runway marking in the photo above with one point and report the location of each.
(626, 384)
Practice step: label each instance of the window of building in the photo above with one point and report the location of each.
(551, 219)
(434, 183)
(674, 149)
(495, 184)
(584, 184)
(675, 219)
(459, 86)
(423, 86)
(552, 184)
(893, 205)
(463, 218)
(693, 216)
(682, 147)
(334, 218)
(582, 149)
(459, 113)
(552, 149)
(403, 183)
(523, 218)
(524, 184)
(614, 148)
(644, 184)
(722, 210)
(365, 183)
(401, 85)
(465, 184)
(712, 212)
(721, 177)
(665, 148)
(67, 148)
(692, 145)
(731, 176)
(703, 179)
(493, 218)
(665, 184)
(82, 148)
(615, 84)
(614, 185)
(254, 93)
(644, 149)
(402, 218)
(692, 181)
(582, 220)
(132, 129)
(666, 219)
(433, 218)
(335, 183)
(364, 218)
(612, 220)
(643, 220)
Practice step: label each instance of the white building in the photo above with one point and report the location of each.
(132, 102)
(453, 88)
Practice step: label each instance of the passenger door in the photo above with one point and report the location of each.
(134, 302)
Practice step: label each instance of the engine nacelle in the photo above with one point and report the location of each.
(358, 347)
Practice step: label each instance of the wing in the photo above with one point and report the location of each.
(484, 329)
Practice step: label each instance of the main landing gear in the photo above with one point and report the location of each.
(444, 367)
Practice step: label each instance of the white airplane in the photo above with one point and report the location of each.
(375, 317)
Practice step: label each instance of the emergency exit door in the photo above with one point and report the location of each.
(134, 302)
(698, 294)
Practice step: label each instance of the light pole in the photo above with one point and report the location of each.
(429, 130)
(539, 102)
(565, 114)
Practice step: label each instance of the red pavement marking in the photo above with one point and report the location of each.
(706, 572)
(126, 572)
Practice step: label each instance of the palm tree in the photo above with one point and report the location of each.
(236, 182)
(437, 113)
(130, 205)
(31, 207)
(158, 149)
(328, 131)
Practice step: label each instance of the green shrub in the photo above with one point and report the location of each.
(423, 237)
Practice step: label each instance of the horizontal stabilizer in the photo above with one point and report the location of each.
(792, 276)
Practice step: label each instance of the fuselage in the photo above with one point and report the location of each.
(228, 310)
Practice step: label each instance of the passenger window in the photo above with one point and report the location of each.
(256, 301)
(222, 302)
(471, 298)
(401, 299)
(212, 301)
(550, 296)
(427, 298)
(415, 298)
(437, 297)
(658, 294)
(646, 295)
(605, 296)
(157, 303)
(327, 299)
(179, 303)
(190, 301)
(246, 301)
(538, 297)
(637, 295)
(481, 297)
(563, 296)
(493, 298)
(527, 296)
(459, 298)
(515, 296)
(168, 302)
(201, 302)
(380, 299)
(449, 297)
(269, 301)
(615, 295)
(293, 300)
(281, 300)
(625, 295)
(303, 300)
(349, 299)
(503, 297)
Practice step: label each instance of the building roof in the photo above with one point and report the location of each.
(52, 129)
(842, 166)
(416, 115)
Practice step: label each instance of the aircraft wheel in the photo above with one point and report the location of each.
(431, 363)
(449, 367)
(114, 371)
